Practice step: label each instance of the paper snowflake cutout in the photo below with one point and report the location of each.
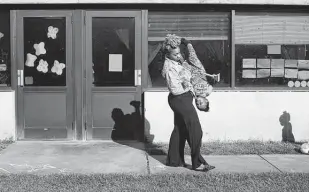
(52, 32)
(58, 67)
(30, 60)
(39, 49)
(43, 66)
(1, 35)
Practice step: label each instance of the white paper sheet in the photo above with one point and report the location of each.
(263, 63)
(290, 73)
(303, 64)
(277, 73)
(115, 62)
(273, 49)
(277, 63)
(263, 73)
(291, 63)
(303, 75)
(247, 73)
(249, 63)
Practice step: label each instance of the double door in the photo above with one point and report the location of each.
(77, 72)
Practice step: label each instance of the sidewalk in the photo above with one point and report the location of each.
(45, 157)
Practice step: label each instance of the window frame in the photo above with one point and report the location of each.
(12, 54)
(233, 87)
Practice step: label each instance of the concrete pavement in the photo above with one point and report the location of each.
(46, 157)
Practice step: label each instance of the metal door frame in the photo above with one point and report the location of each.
(17, 41)
(137, 14)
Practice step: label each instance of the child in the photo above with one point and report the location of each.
(202, 89)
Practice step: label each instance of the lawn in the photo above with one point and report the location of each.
(167, 182)
(234, 148)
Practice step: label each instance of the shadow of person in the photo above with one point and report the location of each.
(287, 134)
(134, 131)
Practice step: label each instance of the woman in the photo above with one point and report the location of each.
(186, 122)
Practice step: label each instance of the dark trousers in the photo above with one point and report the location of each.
(187, 127)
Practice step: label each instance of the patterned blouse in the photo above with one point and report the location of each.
(177, 77)
(184, 77)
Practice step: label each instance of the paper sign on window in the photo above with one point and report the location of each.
(263, 73)
(277, 73)
(29, 80)
(274, 49)
(291, 63)
(249, 63)
(249, 74)
(115, 62)
(263, 63)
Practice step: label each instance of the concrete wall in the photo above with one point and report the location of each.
(258, 2)
(235, 115)
(7, 115)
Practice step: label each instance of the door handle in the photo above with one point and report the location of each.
(138, 77)
(20, 78)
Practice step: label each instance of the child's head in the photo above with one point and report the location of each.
(202, 104)
(171, 47)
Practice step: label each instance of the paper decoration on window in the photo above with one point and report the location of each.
(58, 67)
(303, 64)
(43, 66)
(291, 63)
(263, 63)
(39, 49)
(52, 32)
(115, 62)
(249, 63)
(30, 60)
(247, 73)
(290, 73)
(263, 73)
(1, 35)
(303, 75)
(3, 67)
(277, 73)
(303, 83)
(291, 84)
(277, 63)
(297, 84)
(274, 49)
(29, 80)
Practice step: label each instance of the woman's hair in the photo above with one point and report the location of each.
(171, 42)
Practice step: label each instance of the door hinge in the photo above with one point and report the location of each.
(85, 126)
(72, 20)
(84, 19)
(85, 74)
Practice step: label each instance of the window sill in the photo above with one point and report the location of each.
(6, 89)
(240, 89)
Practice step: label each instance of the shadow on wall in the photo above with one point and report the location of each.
(133, 127)
(287, 133)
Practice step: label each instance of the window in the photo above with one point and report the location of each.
(209, 33)
(43, 52)
(271, 50)
(5, 63)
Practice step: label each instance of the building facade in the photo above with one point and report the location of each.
(78, 71)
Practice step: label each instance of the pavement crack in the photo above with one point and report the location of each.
(147, 161)
(270, 163)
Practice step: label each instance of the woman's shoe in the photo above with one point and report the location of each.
(204, 168)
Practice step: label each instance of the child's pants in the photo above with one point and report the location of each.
(186, 127)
